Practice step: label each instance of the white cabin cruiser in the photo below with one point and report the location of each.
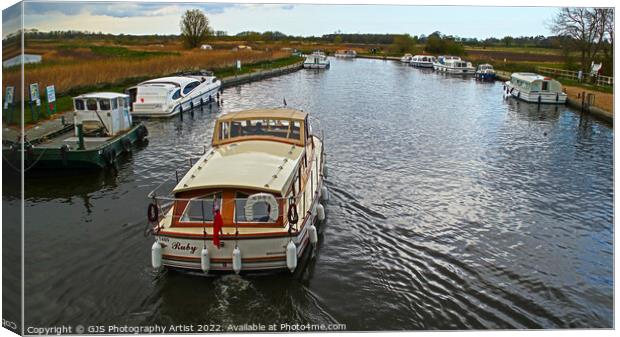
(406, 58)
(535, 88)
(167, 96)
(316, 60)
(485, 72)
(423, 61)
(453, 65)
(250, 202)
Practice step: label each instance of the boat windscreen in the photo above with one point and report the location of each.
(264, 127)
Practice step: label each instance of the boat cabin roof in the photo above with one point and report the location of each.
(105, 95)
(257, 165)
(531, 77)
(174, 80)
(283, 113)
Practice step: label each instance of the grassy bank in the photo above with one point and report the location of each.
(64, 101)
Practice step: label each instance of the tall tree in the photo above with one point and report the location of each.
(586, 28)
(194, 28)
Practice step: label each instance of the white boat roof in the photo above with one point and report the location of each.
(253, 164)
(180, 80)
(108, 95)
(531, 77)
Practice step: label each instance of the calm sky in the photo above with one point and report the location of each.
(296, 19)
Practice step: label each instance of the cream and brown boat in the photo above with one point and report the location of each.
(264, 175)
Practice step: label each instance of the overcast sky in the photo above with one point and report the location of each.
(295, 19)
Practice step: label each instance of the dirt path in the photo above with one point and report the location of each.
(602, 100)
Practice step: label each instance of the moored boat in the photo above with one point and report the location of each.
(453, 65)
(422, 61)
(316, 60)
(406, 58)
(168, 96)
(348, 53)
(102, 130)
(250, 202)
(485, 72)
(535, 88)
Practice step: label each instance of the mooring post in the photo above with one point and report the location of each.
(181, 112)
(80, 130)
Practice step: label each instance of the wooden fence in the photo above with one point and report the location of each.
(574, 75)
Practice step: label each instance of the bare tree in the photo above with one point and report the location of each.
(194, 28)
(586, 28)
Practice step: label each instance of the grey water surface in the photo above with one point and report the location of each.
(451, 208)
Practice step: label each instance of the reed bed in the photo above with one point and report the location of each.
(89, 73)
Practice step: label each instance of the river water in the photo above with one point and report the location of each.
(451, 208)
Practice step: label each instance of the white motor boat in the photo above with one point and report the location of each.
(485, 72)
(316, 60)
(453, 65)
(423, 61)
(167, 96)
(406, 58)
(250, 203)
(534, 88)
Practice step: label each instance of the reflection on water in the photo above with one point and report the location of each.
(451, 208)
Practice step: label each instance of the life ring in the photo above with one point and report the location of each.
(152, 212)
(261, 197)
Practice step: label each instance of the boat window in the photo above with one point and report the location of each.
(177, 94)
(79, 104)
(91, 104)
(188, 88)
(104, 104)
(545, 85)
(224, 131)
(261, 209)
(114, 105)
(194, 210)
(214, 80)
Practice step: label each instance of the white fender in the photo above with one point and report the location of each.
(291, 256)
(236, 260)
(314, 237)
(205, 260)
(324, 193)
(262, 197)
(156, 252)
(320, 212)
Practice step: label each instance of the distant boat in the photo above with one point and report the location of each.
(453, 65)
(423, 61)
(348, 53)
(316, 60)
(485, 72)
(535, 88)
(167, 96)
(406, 58)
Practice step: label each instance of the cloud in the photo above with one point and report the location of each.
(119, 9)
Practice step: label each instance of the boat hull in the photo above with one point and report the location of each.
(206, 97)
(536, 96)
(421, 64)
(260, 252)
(45, 156)
(316, 65)
(451, 70)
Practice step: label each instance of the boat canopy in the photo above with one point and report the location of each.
(250, 165)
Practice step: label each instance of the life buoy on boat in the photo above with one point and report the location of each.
(205, 261)
(261, 197)
(156, 255)
(291, 256)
